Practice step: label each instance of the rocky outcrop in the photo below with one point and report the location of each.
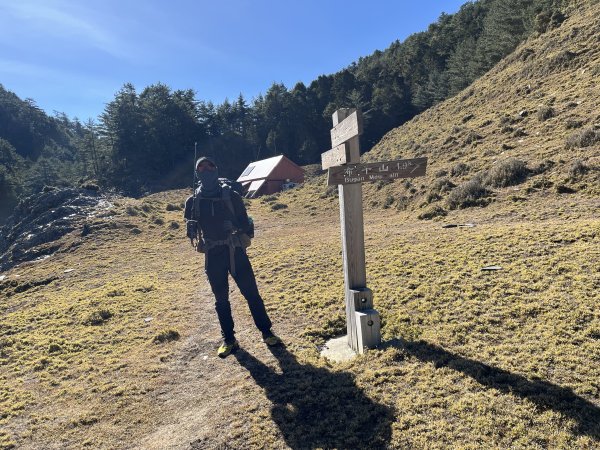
(42, 219)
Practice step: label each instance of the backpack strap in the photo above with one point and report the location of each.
(226, 197)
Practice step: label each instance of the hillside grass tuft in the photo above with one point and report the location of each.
(468, 194)
(583, 138)
(506, 173)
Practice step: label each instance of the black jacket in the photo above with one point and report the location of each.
(211, 213)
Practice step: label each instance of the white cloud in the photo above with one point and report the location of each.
(19, 70)
(59, 20)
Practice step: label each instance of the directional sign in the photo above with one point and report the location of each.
(348, 128)
(366, 172)
(336, 156)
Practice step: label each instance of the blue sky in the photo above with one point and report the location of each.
(73, 56)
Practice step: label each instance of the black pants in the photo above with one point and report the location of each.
(217, 269)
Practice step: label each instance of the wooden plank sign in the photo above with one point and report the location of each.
(336, 156)
(366, 172)
(348, 128)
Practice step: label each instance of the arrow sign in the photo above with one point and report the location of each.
(368, 172)
(336, 156)
(348, 128)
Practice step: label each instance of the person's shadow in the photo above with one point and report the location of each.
(545, 395)
(316, 408)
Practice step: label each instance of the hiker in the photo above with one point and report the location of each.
(219, 227)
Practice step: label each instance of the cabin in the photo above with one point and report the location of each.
(270, 175)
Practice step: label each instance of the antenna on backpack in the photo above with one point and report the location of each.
(195, 159)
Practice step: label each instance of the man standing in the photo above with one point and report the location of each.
(217, 220)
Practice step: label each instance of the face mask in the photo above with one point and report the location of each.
(209, 180)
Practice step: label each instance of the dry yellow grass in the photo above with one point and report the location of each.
(471, 359)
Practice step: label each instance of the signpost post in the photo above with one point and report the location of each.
(345, 170)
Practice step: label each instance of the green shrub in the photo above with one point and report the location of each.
(54, 348)
(435, 211)
(545, 112)
(520, 132)
(470, 193)
(381, 183)
(131, 210)
(459, 169)
(403, 203)
(583, 138)
(439, 187)
(573, 123)
(268, 199)
(116, 293)
(473, 137)
(542, 167)
(442, 185)
(577, 169)
(278, 206)
(389, 201)
(172, 207)
(98, 317)
(507, 173)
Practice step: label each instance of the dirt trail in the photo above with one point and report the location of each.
(201, 399)
(201, 389)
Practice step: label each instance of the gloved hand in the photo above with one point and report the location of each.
(228, 226)
(192, 229)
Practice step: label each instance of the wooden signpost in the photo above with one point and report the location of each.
(345, 170)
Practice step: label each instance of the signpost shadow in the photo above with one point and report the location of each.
(545, 395)
(316, 408)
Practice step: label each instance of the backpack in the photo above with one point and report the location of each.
(233, 185)
(226, 197)
(226, 187)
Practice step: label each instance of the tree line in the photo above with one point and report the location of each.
(144, 141)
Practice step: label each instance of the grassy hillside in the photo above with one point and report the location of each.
(111, 342)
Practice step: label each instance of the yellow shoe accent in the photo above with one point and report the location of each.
(227, 349)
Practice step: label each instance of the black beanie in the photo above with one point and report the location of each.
(205, 158)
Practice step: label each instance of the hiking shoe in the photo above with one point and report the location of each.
(227, 349)
(270, 339)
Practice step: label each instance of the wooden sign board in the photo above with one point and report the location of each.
(336, 156)
(348, 128)
(369, 172)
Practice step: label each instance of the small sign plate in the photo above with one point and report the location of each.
(336, 156)
(369, 172)
(348, 128)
